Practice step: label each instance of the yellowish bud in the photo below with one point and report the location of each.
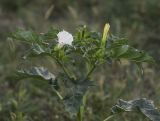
(105, 34)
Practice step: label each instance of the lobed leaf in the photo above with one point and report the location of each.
(37, 73)
(119, 49)
(50, 35)
(74, 100)
(26, 36)
(143, 105)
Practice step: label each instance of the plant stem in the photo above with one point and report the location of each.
(108, 118)
(80, 114)
(64, 69)
(62, 66)
(90, 72)
(58, 94)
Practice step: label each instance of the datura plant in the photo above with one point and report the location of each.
(77, 56)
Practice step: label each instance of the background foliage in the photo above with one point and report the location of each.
(34, 100)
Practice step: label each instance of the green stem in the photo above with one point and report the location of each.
(90, 72)
(62, 66)
(58, 94)
(64, 69)
(80, 114)
(108, 118)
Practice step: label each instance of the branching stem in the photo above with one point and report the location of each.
(90, 72)
(64, 69)
(62, 66)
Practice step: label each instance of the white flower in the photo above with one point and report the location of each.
(64, 37)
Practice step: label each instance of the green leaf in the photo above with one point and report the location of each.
(137, 56)
(119, 49)
(36, 73)
(42, 44)
(50, 35)
(26, 36)
(143, 105)
(32, 37)
(38, 50)
(74, 100)
(116, 42)
(87, 43)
